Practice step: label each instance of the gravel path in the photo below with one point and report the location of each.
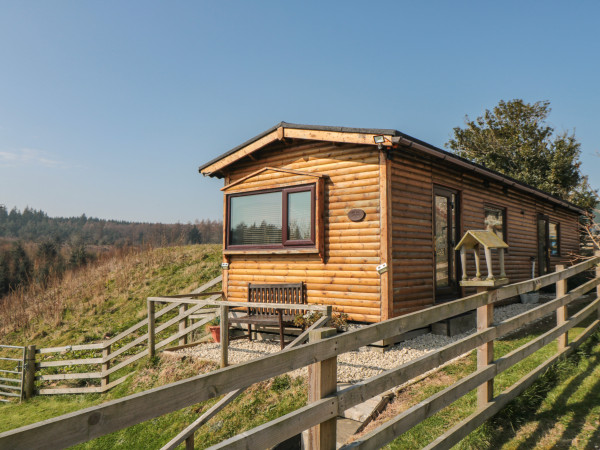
(352, 366)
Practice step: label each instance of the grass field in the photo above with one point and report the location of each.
(561, 410)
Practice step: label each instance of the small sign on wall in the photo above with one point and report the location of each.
(382, 268)
(356, 215)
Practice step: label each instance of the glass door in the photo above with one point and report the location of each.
(445, 235)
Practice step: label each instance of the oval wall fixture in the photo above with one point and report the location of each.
(356, 215)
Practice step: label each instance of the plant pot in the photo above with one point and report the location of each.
(215, 332)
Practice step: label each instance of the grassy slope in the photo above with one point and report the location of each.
(261, 403)
(559, 411)
(110, 297)
(107, 298)
(102, 300)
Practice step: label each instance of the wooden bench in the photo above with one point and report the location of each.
(291, 293)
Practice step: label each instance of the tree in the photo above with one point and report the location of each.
(78, 255)
(49, 261)
(194, 236)
(4, 273)
(21, 265)
(515, 139)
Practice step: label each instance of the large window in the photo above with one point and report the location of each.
(495, 220)
(275, 218)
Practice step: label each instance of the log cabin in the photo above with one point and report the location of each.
(368, 218)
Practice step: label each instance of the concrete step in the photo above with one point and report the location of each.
(357, 417)
(354, 418)
(344, 429)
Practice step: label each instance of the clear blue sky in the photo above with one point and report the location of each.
(108, 108)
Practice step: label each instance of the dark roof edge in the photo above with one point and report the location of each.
(478, 168)
(413, 142)
(299, 127)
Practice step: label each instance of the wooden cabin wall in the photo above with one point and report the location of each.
(413, 179)
(346, 278)
(412, 238)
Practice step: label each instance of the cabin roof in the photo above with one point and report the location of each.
(365, 136)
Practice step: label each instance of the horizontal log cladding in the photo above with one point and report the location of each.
(346, 277)
(413, 179)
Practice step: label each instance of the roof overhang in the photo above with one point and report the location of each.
(284, 131)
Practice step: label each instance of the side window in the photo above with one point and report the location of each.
(495, 220)
(554, 238)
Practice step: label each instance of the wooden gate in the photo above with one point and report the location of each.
(12, 373)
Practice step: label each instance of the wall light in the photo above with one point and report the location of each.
(379, 140)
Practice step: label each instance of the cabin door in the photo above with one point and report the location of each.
(445, 235)
(543, 258)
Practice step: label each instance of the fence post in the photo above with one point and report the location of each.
(183, 324)
(224, 331)
(485, 352)
(151, 347)
(30, 372)
(561, 311)
(105, 366)
(322, 381)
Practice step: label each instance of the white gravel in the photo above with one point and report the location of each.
(352, 366)
(506, 312)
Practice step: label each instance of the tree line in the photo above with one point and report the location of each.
(35, 225)
(35, 248)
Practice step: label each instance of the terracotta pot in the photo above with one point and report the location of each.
(215, 331)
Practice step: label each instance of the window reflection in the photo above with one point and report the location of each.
(299, 216)
(553, 237)
(256, 219)
(441, 241)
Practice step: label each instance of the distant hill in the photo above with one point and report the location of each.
(35, 225)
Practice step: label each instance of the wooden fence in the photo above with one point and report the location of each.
(12, 372)
(325, 404)
(195, 306)
(98, 367)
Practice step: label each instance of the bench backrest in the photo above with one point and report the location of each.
(289, 293)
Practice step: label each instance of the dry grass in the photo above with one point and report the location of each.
(171, 368)
(102, 298)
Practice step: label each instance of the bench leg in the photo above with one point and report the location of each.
(250, 332)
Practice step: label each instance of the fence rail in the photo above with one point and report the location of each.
(321, 354)
(195, 305)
